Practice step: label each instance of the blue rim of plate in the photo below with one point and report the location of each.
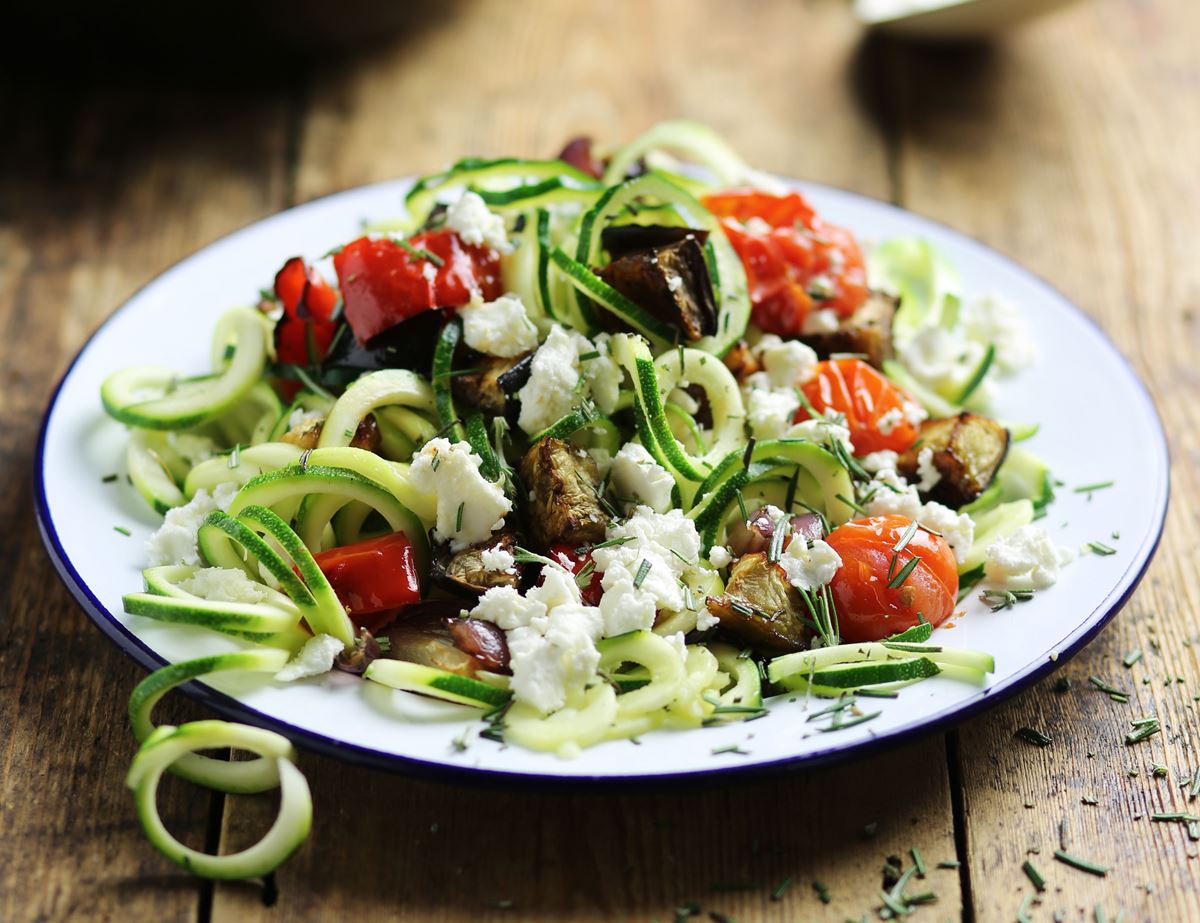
(943, 720)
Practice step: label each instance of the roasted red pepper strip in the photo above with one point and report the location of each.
(566, 555)
(304, 332)
(384, 283)
(373, 578)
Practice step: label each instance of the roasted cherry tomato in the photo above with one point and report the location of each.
(373, 578)
(567, 555)
(795, 262)
(876, 410)
(303, 333)
(867, 608)
(384, 283)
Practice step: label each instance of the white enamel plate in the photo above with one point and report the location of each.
(170, 322)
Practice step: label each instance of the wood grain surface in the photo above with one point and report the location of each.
(1072, 146)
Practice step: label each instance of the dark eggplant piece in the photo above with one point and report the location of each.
(760, 607)
(565, 505)
(307, 435)
(407, 345)
(578, 153)
(755, 535)
(366, 649)
(622, 239)
(671, 282)
(967, 452)
(463, 573)
(494, 383)
(433, 634)
(867, 331)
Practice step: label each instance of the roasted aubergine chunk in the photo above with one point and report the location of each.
(563, 483)
(463, 572)
(671, 281)
(967, 452)
(307, 435)
(760, 607)
(867, 331)
(434, 635)
(756, 533)
(493, 382)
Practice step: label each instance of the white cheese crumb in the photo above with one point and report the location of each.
(225, 584)
(676, 641)
(1027, 559)
(498, 328)
(787, 362)
(927, 471)
(498, 559)
(888, 494)
(175, 540)
(706, 619)
(637, 477)
(888, 421)
(809, 567)
(958, 529)
(505, 607)
(875, 462)
(316, 657)
(823, 429)
(554, 656)
(823, 320)
(769, 411)
(719, 556)
(469, 507)
(551, 390)
(470, 218)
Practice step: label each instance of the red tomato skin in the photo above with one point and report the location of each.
(565, 554)
(855, 389)
(308, 301)
(375, 577)
(867, 609)
(782, 261)
(383, 284)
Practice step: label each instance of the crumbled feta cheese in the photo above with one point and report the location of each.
(470, 218)
(888, 494)
(469, 506)
(657, 550)
(809, 567)
(175, 540)
(1027, 559)
(303, 418)
(888, 421)
(225, 584)
(554, 656)
(602, 373)
(191, 448)
(825, 430)
(638, 479)
(823, 320)
(927, 471)
(552, 389)
(498, 559)
(996, 320)
(874, 462)
(316, 657)
(706, 619)
(719, 556)
(498, 328)
(958, 529)
(768, 411)
(675, 639)
(558, 588)
(505, 607)
(914, 413)
(788, 363)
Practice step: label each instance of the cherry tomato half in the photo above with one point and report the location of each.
(875, 408)
(795, 262)
(566, 555)
(867, 609)
(384, 283)
(373, 578)
(303, 333)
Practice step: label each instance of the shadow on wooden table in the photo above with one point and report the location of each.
(380, 840)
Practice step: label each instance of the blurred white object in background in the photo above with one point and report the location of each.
(950, 19)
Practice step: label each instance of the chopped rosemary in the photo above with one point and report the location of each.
(1143, 728)
(1101, 549)
(1005, 599)
(1117, 695)
(837, 725)
(1192, 785)
(1089, 488)
(235, 455)
(587, 357)
(905, 538)
(122, 530)
(1168, 816)
(748, 455)
(1132, 657)
(525, 556)
(1082, 864)
(109, 478)
(949, 864)
(742, 507)
(1158, 770)
(778, 534)
(1034, 736)
(918, 861)
(903, 573)
(850, 503)
(642, 571)
(458, 518)
(822, 890)
(421, 253)
(778, 891)
(730, 748)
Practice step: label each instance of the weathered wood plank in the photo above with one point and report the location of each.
(488, 82)
(102, 188)
(1072, 147)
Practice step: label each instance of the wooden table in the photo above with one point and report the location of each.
(1073, 146)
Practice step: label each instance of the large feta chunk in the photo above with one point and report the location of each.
(958, 529)
(996, 320)
(498, 560)
(927, 472)
(470, 218)
(498, 328)
(888, 494)
(553, 386)
(788, 363)
(505, 607)
(225, 584)
(601, 371)
(175, 540)
(554, 656)
(315, 658)
(640, 480)
(469, 506)
(828, 429)
(1028, 560)
(769, 411)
